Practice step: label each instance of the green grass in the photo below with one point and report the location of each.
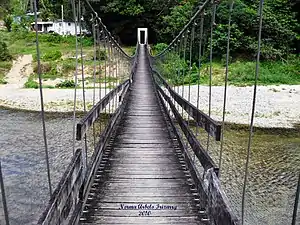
(102, 79)
(4, 68)
(30, 83)
(35, 85)
(56, 53)
(274, 73)
(130, 50)
(66, 84)
(241, 73)
(24, 43)
(68, 65)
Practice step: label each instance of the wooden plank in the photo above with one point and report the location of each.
(203, 120)
(105, 136)
(120, 174)
(200, 186)
(183, 220)
(94, 113)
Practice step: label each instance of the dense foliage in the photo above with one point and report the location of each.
(166, 18)
(4, 53)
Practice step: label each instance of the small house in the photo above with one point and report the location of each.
(62, 28)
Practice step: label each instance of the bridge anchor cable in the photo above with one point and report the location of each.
(261, 5)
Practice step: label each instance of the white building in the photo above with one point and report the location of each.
(62, 28)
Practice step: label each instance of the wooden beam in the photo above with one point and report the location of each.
(203, 120)
(219, 211)
(94, 113)
(204, 158)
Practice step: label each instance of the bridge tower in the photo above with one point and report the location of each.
(143, 35)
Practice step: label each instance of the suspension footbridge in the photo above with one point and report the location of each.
(145, 164)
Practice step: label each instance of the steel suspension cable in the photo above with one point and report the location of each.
(175, 75)
(105, 72)
(94, 74)
(214, 7)
(100, 34)
(95, 59)
(109, 74)
(179, 68)
(118, 73)
(3, 195)
(199, 70)
(75, 74)
(294, 220)
(191, 66)
(109, 36)
(81, 56)
(114, 77)
(225, 86)
(183, 72)
(85, 147)
(200, 10)
(42, 99)
(261, 5)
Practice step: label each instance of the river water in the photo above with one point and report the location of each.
(274, 165)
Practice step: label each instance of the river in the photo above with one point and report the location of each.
(274, 164)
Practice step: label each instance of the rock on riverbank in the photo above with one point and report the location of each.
(276, 106)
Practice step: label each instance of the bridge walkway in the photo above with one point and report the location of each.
(143, 178)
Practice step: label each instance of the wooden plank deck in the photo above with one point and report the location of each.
(143, 178)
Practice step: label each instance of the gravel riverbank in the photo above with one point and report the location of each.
(277, 106)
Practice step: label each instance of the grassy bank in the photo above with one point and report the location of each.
(241, 73)
(24, 43)
(57, 56)
(58, 62)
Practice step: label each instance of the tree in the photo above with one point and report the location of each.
(123, 17)
(8, 20)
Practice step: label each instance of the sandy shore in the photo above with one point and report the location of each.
(277, 106)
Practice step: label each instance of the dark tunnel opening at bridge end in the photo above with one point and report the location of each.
(128, 37)
(126, 32)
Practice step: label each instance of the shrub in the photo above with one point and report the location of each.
(21, 25)
(48, 71)
(69, 40)
(53, 38)
(67, 66)
(8, 20)
(133, 50)
(4, 53)
(2, 81)
(172, 68)
(66, 84)
(45, 68)
(159, 48)
(4, 68)
(101, 54)
(52, 55)
(30, 83)
(87, 41)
